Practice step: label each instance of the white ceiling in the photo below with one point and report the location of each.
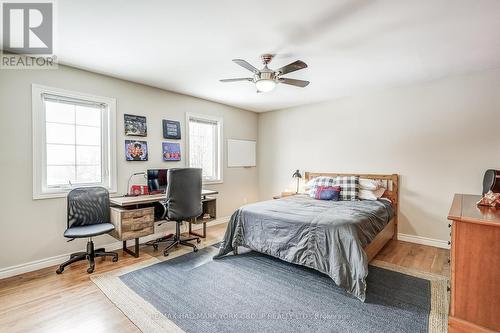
(350, 46)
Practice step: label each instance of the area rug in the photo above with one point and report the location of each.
(251, 292)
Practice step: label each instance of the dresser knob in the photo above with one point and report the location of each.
(449, 225)
(448, 288)
(449, 260)
(449, 242)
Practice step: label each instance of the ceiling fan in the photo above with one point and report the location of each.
(266, 79)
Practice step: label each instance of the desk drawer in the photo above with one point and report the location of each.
(132, 223)
(136, 213)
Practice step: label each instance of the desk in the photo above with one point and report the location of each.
(145, 199)
(134, 217)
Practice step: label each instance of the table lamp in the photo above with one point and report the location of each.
(129, 192)
(297, 175)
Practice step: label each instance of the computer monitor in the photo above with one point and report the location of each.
(157, 181)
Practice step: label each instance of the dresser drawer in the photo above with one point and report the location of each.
(132, 223)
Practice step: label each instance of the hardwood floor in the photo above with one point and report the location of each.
(42, 301)
(419, 257)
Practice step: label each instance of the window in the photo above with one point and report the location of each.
(73, 142)
(205, 146)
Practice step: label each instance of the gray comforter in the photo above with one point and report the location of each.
(327, 236)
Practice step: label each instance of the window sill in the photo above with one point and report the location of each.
(212, 182)
(61, 194)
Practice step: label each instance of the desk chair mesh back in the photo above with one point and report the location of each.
(88, 206)
(88, 216)
(183, 202)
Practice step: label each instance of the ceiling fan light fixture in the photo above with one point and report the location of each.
(265, 85)
(266, 79)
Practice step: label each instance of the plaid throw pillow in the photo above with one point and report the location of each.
(349, 187)
(314, 183)
(321, 181)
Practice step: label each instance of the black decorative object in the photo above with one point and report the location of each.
(491, 181)
(135, 125)
(171, 129)
(297, 175)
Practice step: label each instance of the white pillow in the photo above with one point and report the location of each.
(371, 195)
(370, 184)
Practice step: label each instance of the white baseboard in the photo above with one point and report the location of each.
(423, 240)
(56, 260)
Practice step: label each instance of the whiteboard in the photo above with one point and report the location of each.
(241, 153)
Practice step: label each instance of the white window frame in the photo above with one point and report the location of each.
(108, 143)
(220, 139)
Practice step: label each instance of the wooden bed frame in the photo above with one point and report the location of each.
(390, 231)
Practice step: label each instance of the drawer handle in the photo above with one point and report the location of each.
(449, 242)
(449, 225)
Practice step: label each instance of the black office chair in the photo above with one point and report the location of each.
(183, 203)
(88, 216)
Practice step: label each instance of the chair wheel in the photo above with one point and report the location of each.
(195, 249)
(155, 247)
(115, 259)
(198, 241)
(90, 270)
(166, 254)
(60, 270)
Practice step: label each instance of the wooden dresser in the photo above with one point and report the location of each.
(475, 266)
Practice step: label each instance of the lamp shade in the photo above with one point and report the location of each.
(296, 174)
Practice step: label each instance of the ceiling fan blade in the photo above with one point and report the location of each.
(237, 79)
(294, 66)
(293, 82)
(246, 65)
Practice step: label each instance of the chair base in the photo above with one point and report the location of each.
(175, 240)
(181, 241)
(89, 255)
(154, 243)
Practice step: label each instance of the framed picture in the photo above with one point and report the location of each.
(136, 150)
(171, 151)
(171, 129)
(135, 125)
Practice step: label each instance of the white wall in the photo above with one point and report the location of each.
(439, 136)
(32, 229)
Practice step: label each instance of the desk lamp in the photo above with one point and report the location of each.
(130, 178)
(297, 175)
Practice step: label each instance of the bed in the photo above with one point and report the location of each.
(337, 238)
